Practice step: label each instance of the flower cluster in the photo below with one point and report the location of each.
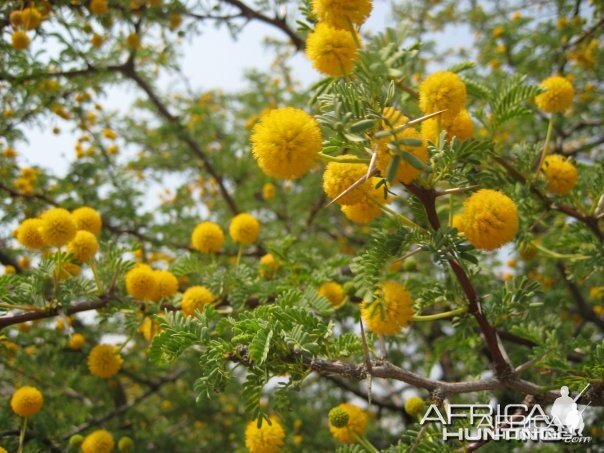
(333, 45)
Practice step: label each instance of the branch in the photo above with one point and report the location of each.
(129, 72)
(278, 22)
(154, 387)
(590, 221)
(500, 360)
(584, 308)
(55, 311)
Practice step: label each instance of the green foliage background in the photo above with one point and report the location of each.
(267, 345)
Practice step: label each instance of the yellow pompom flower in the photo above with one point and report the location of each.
(357, 424)
(286, 143)
(333, 292)
(166, 284)
(100, 441)
(461, 127)
(557, 97)
(141, 283)
(442, 90)
(268, 191)
(361, 213)
(490, 219)
(244, 229)
(84, 246)
(195, 298)
(390, 312)
(98, 7)
(20, 40)
(267, 438)
(332, 52)
(28, 234)
(104, 361)
(27, 401)
(406, 172)
(31, 18)
(77, 341)
(88, 219)
(342, 13)
(58, 227)
(340, 176)
(268, 265)
(414, 406)
(207, 237)
(561, 175)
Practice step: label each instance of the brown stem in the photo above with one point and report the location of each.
(498, 355)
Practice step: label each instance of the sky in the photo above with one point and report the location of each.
(211, 60)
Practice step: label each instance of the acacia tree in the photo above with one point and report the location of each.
(334, 249)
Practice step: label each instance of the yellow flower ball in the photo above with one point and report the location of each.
(361, 213)
(9, 269)
(58, 227)
(27, 401)
(268, 265)
(99, 7)
(340, 176)
(342, 13)
(28, 234)
(268, 191)
(104, 361)
(442, 90)
(561, 174)
(390, 312)
(207, 237)
(490, 219)
(415, 406)
(88, 219)
(406, 173)
(84, 246)
(357, 423)
(332, 52)
(166, 284)
(460, 127)
(267, 438)
(141, 283)
(333, 292)
(244, 229)
(286, 143)
(195, 298)
(100, 441)
(557, 97)
(20, 40)
(31, 18)
(77, 341)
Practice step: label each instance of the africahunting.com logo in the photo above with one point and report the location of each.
(475, 422)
